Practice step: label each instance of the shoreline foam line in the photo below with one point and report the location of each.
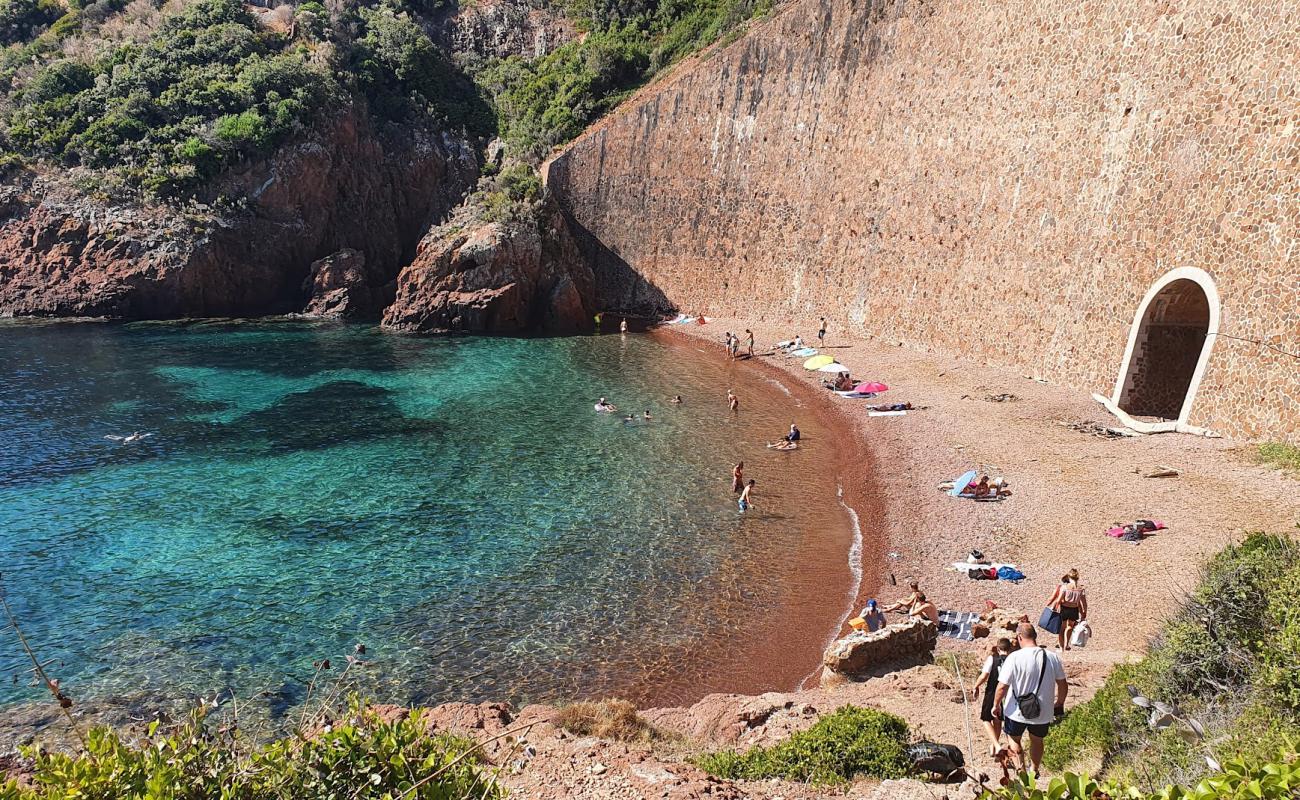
(855, 568)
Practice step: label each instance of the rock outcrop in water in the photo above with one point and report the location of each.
(349, 187)
(503, 277)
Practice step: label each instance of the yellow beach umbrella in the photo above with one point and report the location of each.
(817, 362)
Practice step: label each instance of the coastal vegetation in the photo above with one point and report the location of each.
(544, 102)
(158, 101)
(361, 756)
(1213, 710)
(606, 719)
(167, 104)
(852, 742)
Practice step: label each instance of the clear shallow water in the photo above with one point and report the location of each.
(455, 504)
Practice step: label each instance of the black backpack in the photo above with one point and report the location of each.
(937, 759)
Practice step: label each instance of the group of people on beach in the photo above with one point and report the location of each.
(732, 343)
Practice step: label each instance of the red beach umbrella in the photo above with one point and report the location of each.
(873, 387)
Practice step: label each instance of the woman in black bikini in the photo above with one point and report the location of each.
(988, 679)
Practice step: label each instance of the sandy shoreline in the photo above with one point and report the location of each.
(1068, 487)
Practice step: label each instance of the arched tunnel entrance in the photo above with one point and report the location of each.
(1168, 349)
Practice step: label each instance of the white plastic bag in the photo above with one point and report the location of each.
(1082, 632)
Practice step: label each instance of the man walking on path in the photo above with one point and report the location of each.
(821, 333)
(1031, 691)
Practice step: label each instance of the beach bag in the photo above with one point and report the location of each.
(1030, 706)
(1050, 620)
(937, 759)
(1082, 633)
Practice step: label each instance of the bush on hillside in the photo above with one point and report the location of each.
(1227, 659)
(206, 90)
(544, 102)
(1277, 778)
(605, 719)
(362, 758)
(851, 742)
(22, 20)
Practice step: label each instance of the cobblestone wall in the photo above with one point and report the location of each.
(1000, 179)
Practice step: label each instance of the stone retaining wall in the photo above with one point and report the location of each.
(1000, 179)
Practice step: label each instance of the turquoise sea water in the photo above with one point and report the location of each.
(454, 504)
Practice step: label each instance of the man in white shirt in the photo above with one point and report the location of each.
(1031, 670)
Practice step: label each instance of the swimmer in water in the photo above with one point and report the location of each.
(677, 400)
(646, 415)
(606, 407)
(744, 502)
(733, 402)
(738, 477)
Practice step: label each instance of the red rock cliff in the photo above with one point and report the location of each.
(350, 187)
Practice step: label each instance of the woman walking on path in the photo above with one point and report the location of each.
(1070, 600)
(750, 335)
(988, 679)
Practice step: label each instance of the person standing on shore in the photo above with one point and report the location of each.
(738, 476)
(622, 327)
(1031, 691)
(1071, 602)
(821, 333)
(733, 402)
(750, 335)
(744, 501)
(988, 680)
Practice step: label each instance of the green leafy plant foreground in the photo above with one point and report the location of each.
(848, 743)
(1240, 779)
(363, 757)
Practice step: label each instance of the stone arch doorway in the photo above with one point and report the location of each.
(1169, 345)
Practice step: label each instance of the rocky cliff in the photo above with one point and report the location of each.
(481, 276)
(350, 186)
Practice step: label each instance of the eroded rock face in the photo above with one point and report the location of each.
(495, 277)
(504, 28)
(340, 286)
(350, 186)
(860, 655)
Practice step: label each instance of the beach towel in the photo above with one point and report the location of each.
(886, 413)
(959, 485)
(855, 395)
(957, 624)
(1010, 573)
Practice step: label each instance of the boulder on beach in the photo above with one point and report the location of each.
(860, 655)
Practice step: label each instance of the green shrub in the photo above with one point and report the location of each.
(1279, 454)
(21, 20)
(544, 102)
(361, 757)
(1275, 778)
(1227, 659)
(853, 741)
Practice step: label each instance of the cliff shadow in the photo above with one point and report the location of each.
(619, 288)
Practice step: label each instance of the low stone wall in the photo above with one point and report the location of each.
(861, 654)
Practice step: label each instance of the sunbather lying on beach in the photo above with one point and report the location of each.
(908, 602)
(892, 407)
